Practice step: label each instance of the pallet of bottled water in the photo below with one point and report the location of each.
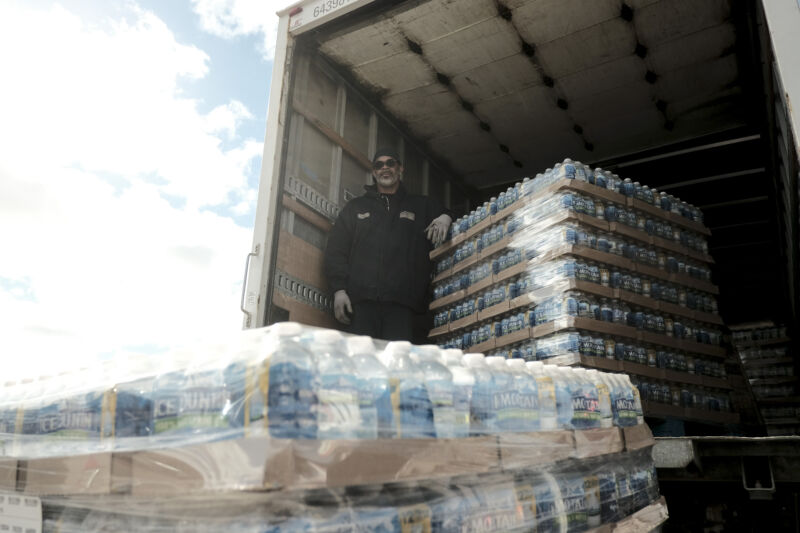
(309, 407)
(578, 266)
(614, 493)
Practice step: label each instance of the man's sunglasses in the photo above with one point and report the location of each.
(391, 163)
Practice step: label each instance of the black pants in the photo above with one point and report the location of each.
(383, 320)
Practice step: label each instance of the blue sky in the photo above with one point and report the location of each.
(132, 134)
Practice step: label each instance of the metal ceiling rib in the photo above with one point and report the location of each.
(504, 89)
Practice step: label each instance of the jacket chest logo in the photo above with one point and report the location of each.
(362, 216)
(408, 214)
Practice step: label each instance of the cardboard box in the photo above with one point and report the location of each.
(594, 442)
(97, 473)
(441, 330)
(483, 284)
(637, 437)
(601, 363)
(592, 288)
(511, 338)
(646, 519)
(449, 299)
(519, 450)
(464, 322)
(499, 246)
(510, 272)
(483, 347)
(8, 474)
(489, 312)
(464, 264)
(259, 463)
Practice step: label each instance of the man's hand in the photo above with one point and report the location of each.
(437, 231)
(341, 303)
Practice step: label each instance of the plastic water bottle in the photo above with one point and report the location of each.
(167, 392)
(204, 398)
(292, 396)
(134, 410)
(505, 405)
(374, 395)
(573, 496)
(563, 394)
(337, 392)
(463, 384)
(591, 490)
(603, 398)
(547, 396)
(525, 385)
(411, 405)
(439, 383)
(481, 414)
(585, 402)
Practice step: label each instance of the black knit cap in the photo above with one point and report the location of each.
(386, 152)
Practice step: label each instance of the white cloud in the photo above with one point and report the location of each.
(233, 18)
(96, 133)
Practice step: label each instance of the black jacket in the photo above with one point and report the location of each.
(379, 252)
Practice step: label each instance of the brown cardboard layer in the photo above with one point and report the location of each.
(589, 220)
(637, 437)
(520, 301)
(497, 309)
(647, 208)
(483, 347)
(711, 318)
(627, 231)
(601, 363)
(593, 288)
(464, 322)
(705, 349)
(643, 370)
(689, 281)
(670, 245)
(651, 271)
(644, 520)
(510, 272)
(600, 441)
(449, 299)
(605, 528)
(8, 474)
(597, 192)
(464, 263)
(98, 473)
(636, 299)
(485, 283)
(683, 377)
(441, 330)
(602, 257)
(675, 309)
(448, 246)
(663, 340)
(599, 326)
(499, 246)
(518, 450)
(480, 226)
(443, 275)
(511, 338)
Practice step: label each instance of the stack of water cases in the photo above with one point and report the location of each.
(765, 351)
(290, 428)
(578, 266)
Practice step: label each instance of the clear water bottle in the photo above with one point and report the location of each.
(525, 385)
(603, 397)
(292, 396)
(411, 405)
(585, 401)
(168, 391)
(505, 402)
(547, 396)
(563, 393)
(463, 384)
(481, 413)
(439, 382)
(374, 395)
(134, 412)
(337, 392)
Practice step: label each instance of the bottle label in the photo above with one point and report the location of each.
(414, 519)
(337, 410)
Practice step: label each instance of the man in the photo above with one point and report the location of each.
(377, 261)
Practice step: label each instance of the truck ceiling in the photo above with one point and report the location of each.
(499, 90)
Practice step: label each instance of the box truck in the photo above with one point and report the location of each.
(692, 98)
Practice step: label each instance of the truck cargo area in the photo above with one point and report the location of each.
(679, 95)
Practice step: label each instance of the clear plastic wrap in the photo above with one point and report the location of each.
(284, 382)
(569, 496)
